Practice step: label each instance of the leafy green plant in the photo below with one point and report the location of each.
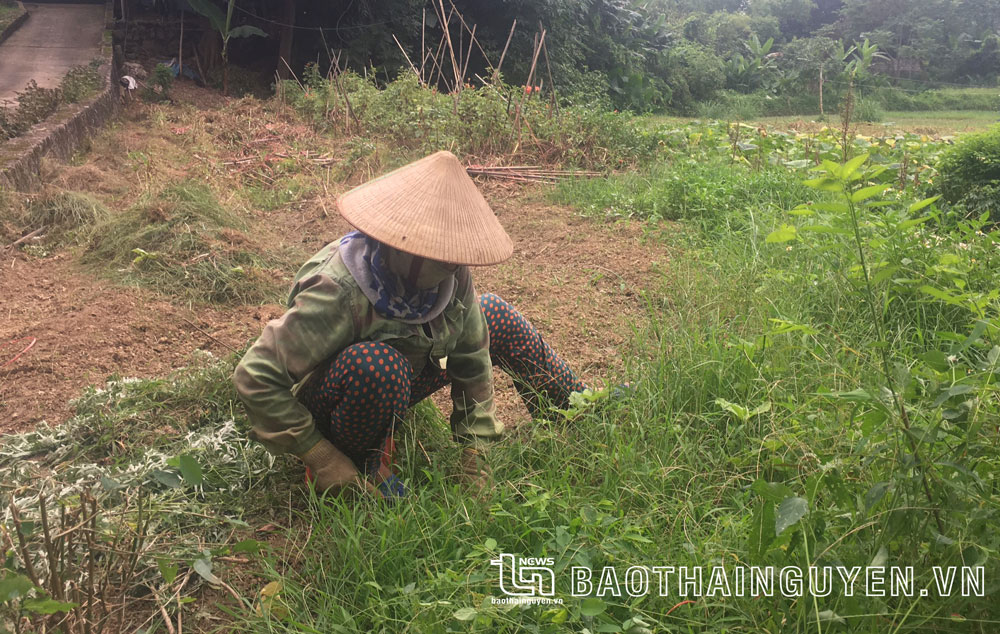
(81, 82)
(34, 104)
(970, 173)
(223, 25)
(160, 81)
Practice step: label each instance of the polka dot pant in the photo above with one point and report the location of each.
(361, 394)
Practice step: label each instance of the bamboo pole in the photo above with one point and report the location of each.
(496, 71)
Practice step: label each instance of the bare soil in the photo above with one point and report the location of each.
(576, 279)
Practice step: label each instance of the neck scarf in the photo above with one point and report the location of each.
(390, 293)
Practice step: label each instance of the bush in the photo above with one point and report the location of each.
(404, 121)
(184, 243)
(585, 88)
(730, 105)
(868, 110)
(160, 81)
(969, 173)
(693, 73)
(34, 104)
(81, 82)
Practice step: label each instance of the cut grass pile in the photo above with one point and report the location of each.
(64, 216)
(182, 242)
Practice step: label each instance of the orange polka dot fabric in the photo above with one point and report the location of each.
(357, 399)
(518, 349)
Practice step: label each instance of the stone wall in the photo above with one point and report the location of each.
(63, 133)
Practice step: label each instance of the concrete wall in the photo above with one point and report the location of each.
(63, 133)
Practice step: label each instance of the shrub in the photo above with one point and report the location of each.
(970, 173)
(588, 88)
(81, 82)
(408, 121)
(34, 104)
(947, 99)
(160, 82)
(868, 110)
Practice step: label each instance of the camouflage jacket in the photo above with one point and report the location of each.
(328, 312)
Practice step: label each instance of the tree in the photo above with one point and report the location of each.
(794, 16)
(223, 24)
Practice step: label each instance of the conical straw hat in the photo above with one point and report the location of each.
(429, 208)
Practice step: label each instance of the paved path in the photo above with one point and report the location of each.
(55, 38)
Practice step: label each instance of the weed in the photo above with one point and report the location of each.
(713, 195)
(480, 122)
(970, 173)
(34, 104)
(81, 82)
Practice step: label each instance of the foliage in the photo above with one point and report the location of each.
(9, 11)
(223, 24)
(158, 86)
(869, 111)
(182, 242)
(970, 173)
(942, 99)
(711, 194)
(34, 104)
(404, 121)
(81, 82)
(172, 476)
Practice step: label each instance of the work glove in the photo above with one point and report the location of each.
(330, 470)
(475, 473)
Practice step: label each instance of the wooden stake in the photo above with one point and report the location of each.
(531, 74)
(423, 55)
(468, 55)
(496, 71)
(180, 49)
(412, 67)
(548, 67)
(451, 51)
(466, 26)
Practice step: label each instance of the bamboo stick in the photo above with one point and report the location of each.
(496, 71)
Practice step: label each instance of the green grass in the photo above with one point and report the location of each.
(713, 194)
(64, 216)
(8, 13)
(941, 122)
(760, 389)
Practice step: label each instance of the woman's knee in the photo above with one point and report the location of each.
(374, 370)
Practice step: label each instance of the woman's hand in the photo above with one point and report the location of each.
(331, 470)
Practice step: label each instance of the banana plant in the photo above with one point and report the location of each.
(223, 24)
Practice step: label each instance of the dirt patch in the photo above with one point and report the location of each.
(88, 330)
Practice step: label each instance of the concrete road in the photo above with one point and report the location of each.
(55, 38)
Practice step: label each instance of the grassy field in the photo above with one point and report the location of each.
(8, 13)
(812, 345)
(938, 123)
